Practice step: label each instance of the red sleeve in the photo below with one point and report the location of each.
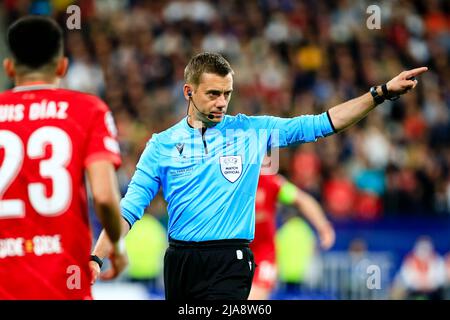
(277, 183)
(102, 143)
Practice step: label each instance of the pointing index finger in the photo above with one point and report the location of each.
(415, 72)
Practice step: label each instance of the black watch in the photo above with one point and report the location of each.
(97, 259)
(376, 97)
(388, 95)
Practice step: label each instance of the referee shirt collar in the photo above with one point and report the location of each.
(218, 126)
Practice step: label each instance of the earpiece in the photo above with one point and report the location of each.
(189, 93)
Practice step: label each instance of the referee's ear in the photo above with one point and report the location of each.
(62, 66)
(10, 70)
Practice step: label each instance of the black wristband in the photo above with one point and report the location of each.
(387, 95)
(97, 259)
(385, 90)
(377, 98)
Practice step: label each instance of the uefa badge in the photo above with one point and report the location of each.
(231, 167)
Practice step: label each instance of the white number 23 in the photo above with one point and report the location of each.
(53, 168)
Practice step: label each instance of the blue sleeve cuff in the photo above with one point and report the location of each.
(331, 122)
(127, 215)
(321, 125)
(127, 221)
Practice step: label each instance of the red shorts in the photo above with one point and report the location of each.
(266, 271)
(265, 275)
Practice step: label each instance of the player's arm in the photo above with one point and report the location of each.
(143, 187)
(106, 197)
(105, 192)
(105, 248)
(311, 210)
(350, 112)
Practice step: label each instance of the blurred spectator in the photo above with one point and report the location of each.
(447, 267)
(306, 166)
(339, 194)
(422, 274)
(357, 248)
(197, 11)
(84, 74)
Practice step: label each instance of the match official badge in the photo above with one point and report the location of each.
(231, 167)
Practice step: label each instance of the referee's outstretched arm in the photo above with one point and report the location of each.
(346, 114)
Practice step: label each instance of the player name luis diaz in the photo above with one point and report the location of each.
(36, 111)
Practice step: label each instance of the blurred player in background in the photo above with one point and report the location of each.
(49, 139)
(271, 190)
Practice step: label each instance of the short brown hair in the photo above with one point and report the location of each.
(206, 62)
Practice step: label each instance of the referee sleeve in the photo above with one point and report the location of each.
(143, 186)
(307, 128)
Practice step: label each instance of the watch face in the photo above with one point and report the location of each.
(373, 92)
(378, 99)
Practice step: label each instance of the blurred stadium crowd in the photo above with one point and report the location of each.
(290, 57)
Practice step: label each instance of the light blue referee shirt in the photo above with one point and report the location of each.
(209, 178)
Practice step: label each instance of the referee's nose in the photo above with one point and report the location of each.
(221, 102)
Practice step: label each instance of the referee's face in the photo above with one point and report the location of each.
(212, 96)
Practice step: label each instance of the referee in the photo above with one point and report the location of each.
(208, 166)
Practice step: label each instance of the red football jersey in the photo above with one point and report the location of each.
(263, 246)
(48, 136)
